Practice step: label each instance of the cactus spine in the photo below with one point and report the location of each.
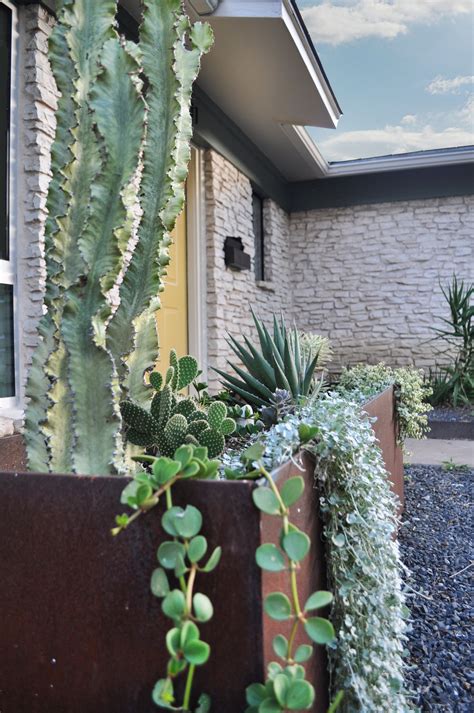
(119, 163)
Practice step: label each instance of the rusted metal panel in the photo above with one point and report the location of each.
(311, 576)
(80, 630)
(382, 408)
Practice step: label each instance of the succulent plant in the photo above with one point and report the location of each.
(119, 164)
(173, 419)
(278, 363)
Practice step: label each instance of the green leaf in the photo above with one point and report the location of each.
(321, 631)
(300, 696)
(169, 553)
(292, 490)
(281, 684)
(277, 606)
(296, 545)
(280, 646)
(189, 632)
(253, 453)
(173, 641)
(255, 694)
(188, 522)
(174, 604)
(204, 704)
(180, 567)
(196, 652)
(303, 653)
(197, 548)
(269, 705)
(183, 454)
(318, 600)
(159, 583)
(164, 469)
(167, 521)
(338, 540)
(266, 500)
(270, 558)
(307, 433)
(163, 694)
(203, 608)
(213, 560)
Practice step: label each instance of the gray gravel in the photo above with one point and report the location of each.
(436, 544)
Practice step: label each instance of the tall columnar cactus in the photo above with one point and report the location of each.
(119, 162)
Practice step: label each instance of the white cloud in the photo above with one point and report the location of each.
(391, 140)
(441, 85)
(409, 120)
(357, 19)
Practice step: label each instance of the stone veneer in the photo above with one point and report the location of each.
(230, 294)
(368, 276)
(36, 126)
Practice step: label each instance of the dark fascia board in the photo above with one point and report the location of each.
(214, 129)
(387, 186)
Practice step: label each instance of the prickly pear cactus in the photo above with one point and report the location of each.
(119, 163)
(173, 419)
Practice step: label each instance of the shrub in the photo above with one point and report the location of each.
(364, 381)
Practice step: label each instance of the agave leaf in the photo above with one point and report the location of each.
(252, 382)
(308, 379)
(240, 388)
(290, 369)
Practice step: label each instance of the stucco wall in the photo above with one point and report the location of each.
(230, 294)
(368, 276)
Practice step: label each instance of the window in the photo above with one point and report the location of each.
(7, 272)
(259, 236)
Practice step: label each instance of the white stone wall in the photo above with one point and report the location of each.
(368, 276)
(35, 123)
(230, 294)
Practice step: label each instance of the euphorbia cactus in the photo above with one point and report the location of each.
(119, 163)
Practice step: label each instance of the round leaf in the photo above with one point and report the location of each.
(169, 553)
(197, 652)
(269, 705)
(266, 501)
(172, 641)
(255, 694)
(280, 646)
(203, 608)
(189, 632)
(269, 557)
(277, 606)
(174, 604)
(292, 490)
(163, 693)
(167, 521)
(213, 560)
(159, 583)
(303, 653)
(281, 684)
(300, 696)
(296, 545)
(188, 522)
(197, 548)
(318, 600)
(319, 630)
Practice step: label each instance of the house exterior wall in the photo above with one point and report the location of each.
(33, 117)
(230, 294)
(368, 276)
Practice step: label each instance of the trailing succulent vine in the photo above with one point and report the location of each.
(175, 420)
(119, 162)
(286, 688)
(180, 558)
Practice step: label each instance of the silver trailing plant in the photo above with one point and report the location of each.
(119, 162)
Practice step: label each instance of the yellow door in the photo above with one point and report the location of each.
(172, 317)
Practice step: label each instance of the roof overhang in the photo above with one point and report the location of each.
(264, 74)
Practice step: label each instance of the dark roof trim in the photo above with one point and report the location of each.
(404, 185)
(299, 16)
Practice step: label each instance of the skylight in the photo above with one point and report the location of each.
(401, 70)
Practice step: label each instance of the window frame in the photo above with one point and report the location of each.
(8, 268)
(259, 240)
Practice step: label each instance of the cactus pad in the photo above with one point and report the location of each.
(213, 440)
(188, 370)
(228, 426)
(216, 414)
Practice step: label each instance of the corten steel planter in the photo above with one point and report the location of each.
(81, 632)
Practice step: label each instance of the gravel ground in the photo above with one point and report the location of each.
(436, 543)
(448, 413)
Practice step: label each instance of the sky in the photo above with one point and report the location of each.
(402, 71)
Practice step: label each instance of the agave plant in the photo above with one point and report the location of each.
(278, 363)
